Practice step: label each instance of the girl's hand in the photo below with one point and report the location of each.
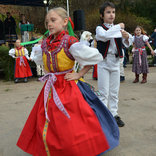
(152, 52)
(72, 76)
(122, 25)
(124, 34)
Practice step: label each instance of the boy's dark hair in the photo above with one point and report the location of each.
(104, 6)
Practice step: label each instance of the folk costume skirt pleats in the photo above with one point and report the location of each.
(81, 135)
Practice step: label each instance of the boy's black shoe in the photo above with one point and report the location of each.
(122, 78)
(119, 121)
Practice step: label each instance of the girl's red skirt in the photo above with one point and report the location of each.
(22, 70)
(81, 135)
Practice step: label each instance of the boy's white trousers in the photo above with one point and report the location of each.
(109, 82)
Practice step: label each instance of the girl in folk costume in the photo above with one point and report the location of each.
(22, 68)
(140, 64)
(62, 121)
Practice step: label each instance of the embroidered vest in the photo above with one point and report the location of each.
(59, 59)
(19, 52)
(104, 46)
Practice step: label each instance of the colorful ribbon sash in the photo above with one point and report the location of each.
(140, 53)
(21, 60)
(51, 79)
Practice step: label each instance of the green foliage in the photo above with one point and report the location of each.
(145, 8)
(131, 21)
(93, 19)
(6, 63)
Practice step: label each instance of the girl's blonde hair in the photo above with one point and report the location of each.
(142, 30)
(60, 11)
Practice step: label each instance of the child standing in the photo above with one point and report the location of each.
(110, 38)
(140, 64)
(62, 121)
(22, 68)
(37, 50)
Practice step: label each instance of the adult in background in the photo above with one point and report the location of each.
(153, 36)
(2, 39)
(25, 33)
(10, 30)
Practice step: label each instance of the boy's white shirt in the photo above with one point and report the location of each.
(12, 53)
(114, 31)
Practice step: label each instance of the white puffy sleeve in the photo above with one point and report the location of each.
(84, 54)
(130, 41)
(103, 35)
(26, 53)
(36, 55)
(12, 53)
(145, 38)
(133, 38)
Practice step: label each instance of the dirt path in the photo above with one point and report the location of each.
(137, 107)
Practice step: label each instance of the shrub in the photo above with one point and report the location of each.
(6, 63)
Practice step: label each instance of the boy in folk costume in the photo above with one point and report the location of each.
(22, 68)
(110, 38)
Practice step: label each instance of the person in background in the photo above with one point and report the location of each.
(153, 37)
(140, 64)
(126, 57)
(36, 50)
(2, 38)
(122, 73)
(25, 33)
(10, 30)
(22, 68)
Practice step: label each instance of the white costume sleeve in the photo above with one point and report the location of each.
(130, 41)
(145, 38)
(32, 53)
(103, 35)
(26, 53)
(12, 52)
(84, 54)
(133, 38)
(37, 58)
